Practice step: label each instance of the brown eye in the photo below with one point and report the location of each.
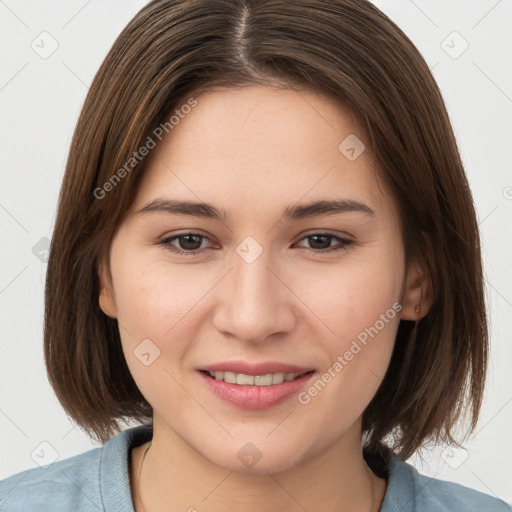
(321, 243)
(188, 243)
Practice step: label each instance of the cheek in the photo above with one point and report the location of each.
(357, 314)
(157, 321)
(160, 317)
(155, 299)
(348, 298)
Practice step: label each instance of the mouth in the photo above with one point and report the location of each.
(242, 379)
(254, 391)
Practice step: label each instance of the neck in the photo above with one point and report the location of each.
(173, 473)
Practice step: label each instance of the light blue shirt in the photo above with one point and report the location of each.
(98, 480)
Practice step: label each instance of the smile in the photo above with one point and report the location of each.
(253, 380)
(254, 391)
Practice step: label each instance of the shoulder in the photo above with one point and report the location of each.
(60, 486)
(95, 480)
(410, 490)
(448, 496)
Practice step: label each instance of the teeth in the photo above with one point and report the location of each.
(278, 378)
(253, 380)
(244, 380)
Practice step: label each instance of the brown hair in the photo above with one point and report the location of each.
(347, 50)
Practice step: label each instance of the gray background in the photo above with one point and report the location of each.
(40, 99)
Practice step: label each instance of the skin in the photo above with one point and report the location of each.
(255, 151)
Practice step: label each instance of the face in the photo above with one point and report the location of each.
(258, 277)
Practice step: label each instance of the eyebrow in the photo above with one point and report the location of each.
(297, 212)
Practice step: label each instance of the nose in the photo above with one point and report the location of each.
(255, 302)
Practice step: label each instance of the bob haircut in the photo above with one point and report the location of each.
(346, 50)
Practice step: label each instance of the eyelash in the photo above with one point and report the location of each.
(344, 244)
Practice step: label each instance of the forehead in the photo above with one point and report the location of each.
(262, 146)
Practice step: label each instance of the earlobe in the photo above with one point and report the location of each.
(106, 296)
(417, 296)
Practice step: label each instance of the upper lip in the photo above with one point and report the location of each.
(256, 368)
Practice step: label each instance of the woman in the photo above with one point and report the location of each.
(266, 251)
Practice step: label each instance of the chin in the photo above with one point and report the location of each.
(249, 459)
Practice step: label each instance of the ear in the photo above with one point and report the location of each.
(417, 293)
(106, 298)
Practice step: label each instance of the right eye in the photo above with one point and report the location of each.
(187, 242)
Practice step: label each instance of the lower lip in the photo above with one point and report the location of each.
(255, 397)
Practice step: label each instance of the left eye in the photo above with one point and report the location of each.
(320, 239)
(190, 243)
